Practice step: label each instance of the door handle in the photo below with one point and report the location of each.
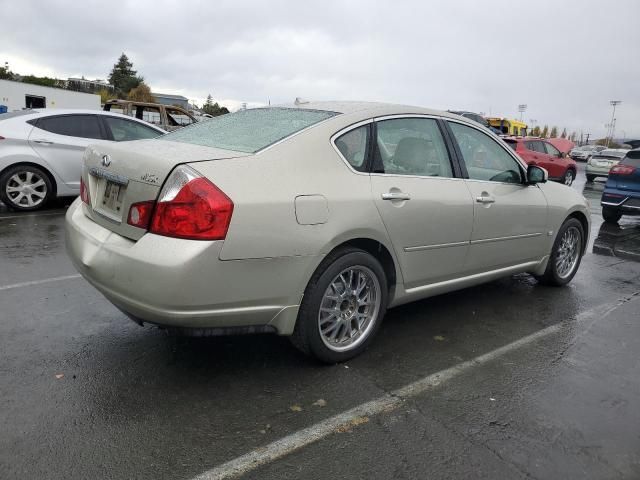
(43, 142)
(396, 196)
(485, 199)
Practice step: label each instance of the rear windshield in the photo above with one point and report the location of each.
(248, 130)
(632, 159)
(610, 154)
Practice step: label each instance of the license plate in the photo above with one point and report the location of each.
(112, 198)
(603, 164)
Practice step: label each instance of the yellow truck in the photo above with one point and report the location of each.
(508, 126)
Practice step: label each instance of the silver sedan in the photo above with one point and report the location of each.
(312, 220)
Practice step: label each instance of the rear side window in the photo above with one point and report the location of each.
(632, 159)
(411, 146)
(123, 130)
(512, 144)
(84, 126)
(353, 146)
(249, 130)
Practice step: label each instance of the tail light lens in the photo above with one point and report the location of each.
(84, 191)
(140, 214)
(191, 207)
(622, 170)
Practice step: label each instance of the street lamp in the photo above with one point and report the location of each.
(522, 108)
(612, 125)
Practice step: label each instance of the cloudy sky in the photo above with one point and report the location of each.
(565, 59)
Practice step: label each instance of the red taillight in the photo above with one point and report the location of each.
(622, 170)
(191, 207)
(140, 214)
(84, 191)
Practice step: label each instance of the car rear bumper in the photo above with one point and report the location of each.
(599, 171)
(183, 283)
(625, 201)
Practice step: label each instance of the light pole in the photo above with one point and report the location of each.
(613, 103)
(522, 108)
(533, 122)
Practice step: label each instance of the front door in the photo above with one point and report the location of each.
(428, 212)
(60, 140)
(510, 217)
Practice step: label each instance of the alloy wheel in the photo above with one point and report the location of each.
(568, 252)
(349, 308)
(26, 189)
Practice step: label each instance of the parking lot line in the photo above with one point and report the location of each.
(388, 402)
(39, 282)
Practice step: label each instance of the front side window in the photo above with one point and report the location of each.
(484, 158)
(353, 146)
(551, 150)
(123, 130)
(411, 146)
(84, 126)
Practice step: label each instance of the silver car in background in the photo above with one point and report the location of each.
(41, 150)
(585, 152)
(311, 221)
(601, 162)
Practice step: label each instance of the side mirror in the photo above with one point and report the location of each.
(536, 174)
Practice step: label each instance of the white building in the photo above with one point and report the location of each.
(18, 95)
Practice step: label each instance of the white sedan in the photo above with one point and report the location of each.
(311, 221)
(41, 150)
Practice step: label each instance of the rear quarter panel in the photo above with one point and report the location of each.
(562, 202)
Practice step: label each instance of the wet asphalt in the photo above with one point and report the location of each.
(85, 393)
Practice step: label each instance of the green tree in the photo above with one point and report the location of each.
(5, 73)
(141, 93)
(212, 108)
(612, 144)
(44, 81)
(564, 133)
(123, 77)
(536, 131)
(573, 136)
(106, 94)
(545, 131)
(554, 132)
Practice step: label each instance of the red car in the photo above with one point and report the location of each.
(538, 152)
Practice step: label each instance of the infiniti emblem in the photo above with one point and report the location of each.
(106, 160)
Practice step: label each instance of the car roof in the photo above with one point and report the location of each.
(366, 109)
(42, 112)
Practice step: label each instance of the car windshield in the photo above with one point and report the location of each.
(249, 130)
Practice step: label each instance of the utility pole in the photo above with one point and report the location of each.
(613, 103)
(587, 142)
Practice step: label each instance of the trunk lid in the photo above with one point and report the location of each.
(120, 174)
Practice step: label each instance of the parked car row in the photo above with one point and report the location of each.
(41, 150)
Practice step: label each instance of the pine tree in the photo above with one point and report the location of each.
(564, 133)
(545, 131)
(123, 77)
(554, 132)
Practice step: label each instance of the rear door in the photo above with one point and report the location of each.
(510, 217)
(427, 211)
(61, 140)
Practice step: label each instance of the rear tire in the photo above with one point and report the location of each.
(611, 215)
(566, 254)
(335, 302)
(25, 188)
(591, 178)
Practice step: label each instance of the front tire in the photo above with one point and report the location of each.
(568, 177)
(566, 254)
(342, 307)
(611, 215)
(25, 188)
